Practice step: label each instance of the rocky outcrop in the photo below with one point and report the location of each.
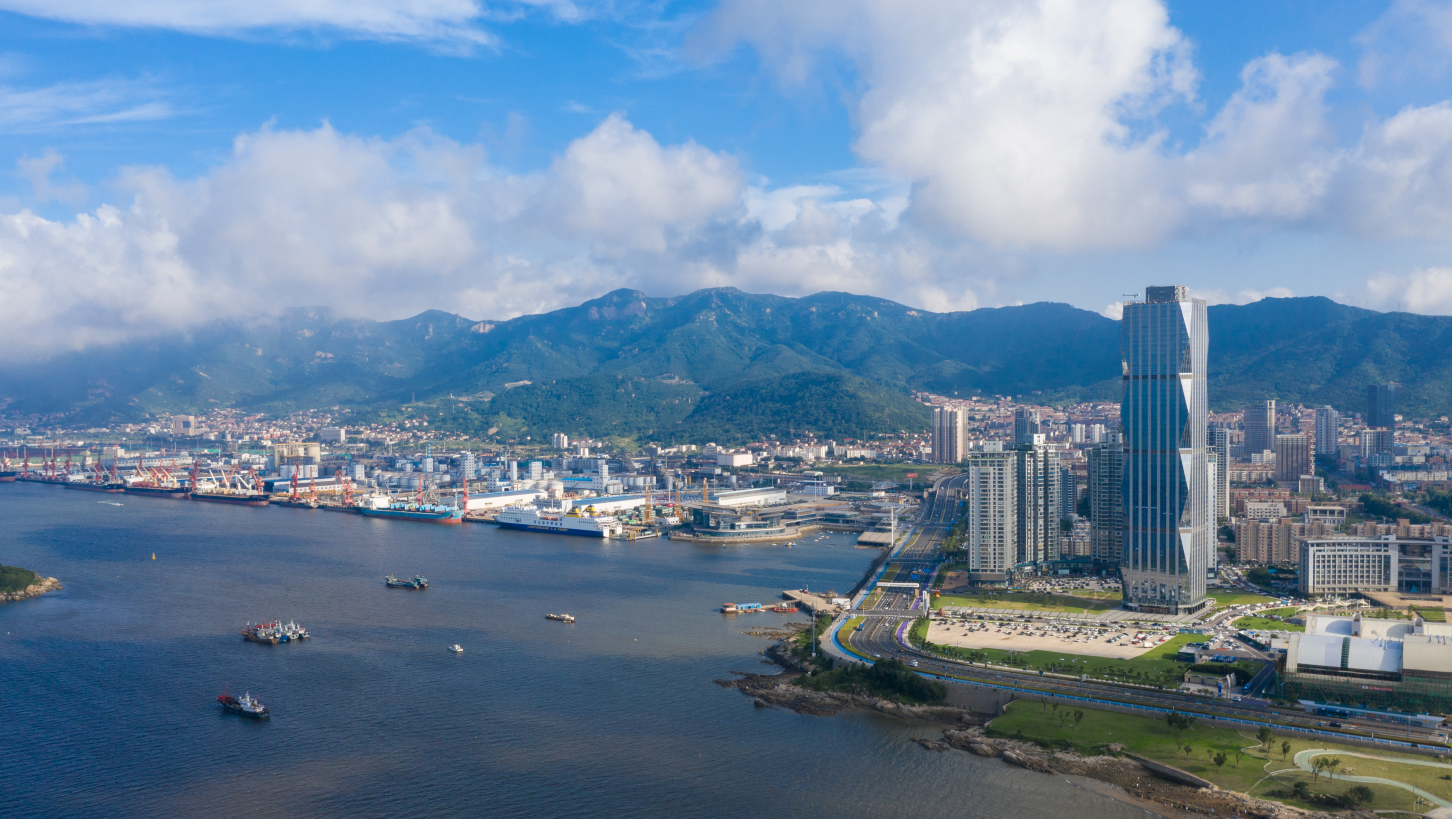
(33, 590)
(777, 690)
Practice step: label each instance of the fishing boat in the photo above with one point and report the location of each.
(244, 705)
(563, 618)
(418, 582)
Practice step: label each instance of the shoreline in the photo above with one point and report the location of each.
(46, 584)
(1118, 776)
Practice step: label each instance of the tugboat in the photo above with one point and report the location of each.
(563, 618)
(418, 582)
(244, 706)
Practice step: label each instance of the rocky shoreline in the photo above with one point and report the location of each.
(1157, 788)
(33, 590)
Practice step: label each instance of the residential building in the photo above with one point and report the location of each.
(1106, 498)
(1037, 473)
(1164, 414)
(949, 435)
(1097, 433)
(1260, 427)
(990, 496)
(1377, 441)
(1293, 456)
(1328, 422)
(1217, 441)
(1068, 493)
(1381, 406)
(1076, 433)
(1311, 485)
(1276, 542)
(1264, 510)
(1025, 425)
(560, 441)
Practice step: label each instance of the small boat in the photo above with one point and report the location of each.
(244, 705)
(418, 582)
(456, 648)
(563, 618)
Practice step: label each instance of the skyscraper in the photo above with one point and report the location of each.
(1106, 499)
(1328, 422)
(1260, 427)
(1381, 406)
(1164, 341)
(1293, 457)
(1025, 426)
(948, 435)
(1217, 443)
(1037, 473)
(991, 497)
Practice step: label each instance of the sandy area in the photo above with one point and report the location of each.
(964, 637)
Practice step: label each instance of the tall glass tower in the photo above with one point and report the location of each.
(1167, 541)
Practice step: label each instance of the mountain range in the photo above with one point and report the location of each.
(636, 365)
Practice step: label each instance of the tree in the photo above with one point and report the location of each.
(1219, 760)
(1188, 749)
(1078, 718)
(1264, 735)
(1359, 795)
(1301, 791)
(1285, 749)
(1238, 754)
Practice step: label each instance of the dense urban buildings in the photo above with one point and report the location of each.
(1167, 548)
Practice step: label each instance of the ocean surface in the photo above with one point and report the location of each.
(107, 688)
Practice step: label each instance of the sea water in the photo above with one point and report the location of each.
(108, 688)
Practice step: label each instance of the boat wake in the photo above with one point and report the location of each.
(109, 503)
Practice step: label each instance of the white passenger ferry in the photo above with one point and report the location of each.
(561, 517)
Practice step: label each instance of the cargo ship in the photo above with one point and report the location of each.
(158, 489)
(243, 705)
(9, 475)
(561, 518)
(418, 582)
(233, 496)
(94, 486)
(379, 507)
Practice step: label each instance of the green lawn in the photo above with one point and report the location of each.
(1155, 667)
(1153, 738)
(1258, 623)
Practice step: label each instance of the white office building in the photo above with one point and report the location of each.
(1343, 566)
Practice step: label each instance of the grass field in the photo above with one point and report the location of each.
(1053, 602)
(1226, 598)
(1262, 623)
(1155, 667)
(1153, 738)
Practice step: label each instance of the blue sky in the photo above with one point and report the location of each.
(168, 162)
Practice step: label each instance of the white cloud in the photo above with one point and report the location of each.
(27, 110)
(1113, 310)
(448, 23)
(385, 228)
(1218, 296)
(1033, 124)
(37, 171)
(1423, 291)
(1411, 41)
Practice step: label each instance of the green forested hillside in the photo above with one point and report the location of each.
(1309, 350)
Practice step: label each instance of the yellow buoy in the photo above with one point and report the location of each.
(153, 555)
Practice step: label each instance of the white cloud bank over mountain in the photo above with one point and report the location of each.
(1015, 130)
(385, 227)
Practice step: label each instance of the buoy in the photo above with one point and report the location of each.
(153, 555)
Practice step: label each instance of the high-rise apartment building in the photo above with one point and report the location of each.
(1106, 498)
(990, 496)
(1328, 422)
(1037, 474)
(1293, 457)
(948, 435)
(1381, 406)
(1260, 427)
(560, 440)
(1025, 426)
(1377, 441)
(1217, 442)
(1096, 433)
(1167, 548)
(1076, 433)
(1068, 493)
